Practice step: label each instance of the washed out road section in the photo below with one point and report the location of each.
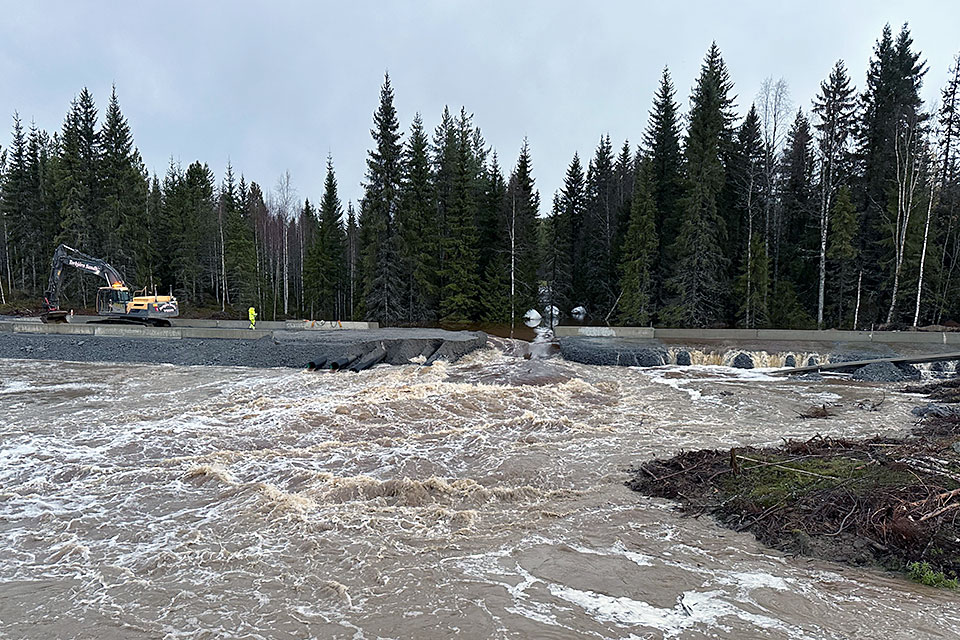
(281, 349)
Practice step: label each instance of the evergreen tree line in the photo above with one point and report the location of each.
(216, 246)
(843, 216)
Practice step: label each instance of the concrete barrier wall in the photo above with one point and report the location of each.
(210, 329)
(267, 325)
(134, 331)
(200, 323)
(772, 335)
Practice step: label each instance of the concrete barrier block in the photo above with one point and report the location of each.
(597, 332)
(119, 331)
(634, 332)
(53, 329)
(169, 333)
(231, 324)
(325, 325)
(566, 332)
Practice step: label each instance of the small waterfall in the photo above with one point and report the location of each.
(743, 359)
(739, 358)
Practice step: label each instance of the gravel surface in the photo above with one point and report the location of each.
(886, 372)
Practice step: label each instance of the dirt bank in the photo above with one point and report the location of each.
(298, 349)
(885, 502)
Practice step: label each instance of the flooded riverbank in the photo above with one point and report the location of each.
(478, 499)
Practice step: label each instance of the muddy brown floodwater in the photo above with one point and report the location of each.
(482, 499)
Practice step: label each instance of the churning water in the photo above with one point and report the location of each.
(482, 499)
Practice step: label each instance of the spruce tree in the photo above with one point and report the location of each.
(35, 241)
(835, 110)
(494, 248)
(521, 209)
(352, 260)
(753, 280)
(600, 231)
(239, 245)
(330, 242)
(891, 107)
(379, 241)
(489, 231)
(698, 285)
(571, 284)
(419, 230)
(460, 288)
(625, 172)
(315, 264)
(948, 205)
(640, 250)
(554, 266)
(444, 158)
(799, 204)
(77, 185)
(661, 140)
(189, 213)
(843, 254)
(119, 219)
(15, 206)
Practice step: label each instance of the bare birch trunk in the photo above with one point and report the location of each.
(286, 269)
(856, 310)
(6, 255)
(906, 186)
(826, 178)
(923, 256)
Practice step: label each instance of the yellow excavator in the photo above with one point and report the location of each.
(114, 301)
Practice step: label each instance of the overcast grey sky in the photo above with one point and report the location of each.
(276, 86)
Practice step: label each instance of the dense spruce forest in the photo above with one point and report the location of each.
(841, 214)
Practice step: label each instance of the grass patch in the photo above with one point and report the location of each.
(923, 573)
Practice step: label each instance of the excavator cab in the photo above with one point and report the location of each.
(112, 300)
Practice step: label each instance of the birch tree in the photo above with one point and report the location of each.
(284, 206)
(835, 108)
(909, 175)
(775, 110)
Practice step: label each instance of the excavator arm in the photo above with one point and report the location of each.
(66, 256)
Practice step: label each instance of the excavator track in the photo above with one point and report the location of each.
(142, 322)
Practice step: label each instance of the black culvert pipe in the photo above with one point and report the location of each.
(370, 359)
(337, 364)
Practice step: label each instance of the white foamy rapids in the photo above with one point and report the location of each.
(760, 359)
(483, 498)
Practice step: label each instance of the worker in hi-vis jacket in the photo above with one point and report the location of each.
(252, 314)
